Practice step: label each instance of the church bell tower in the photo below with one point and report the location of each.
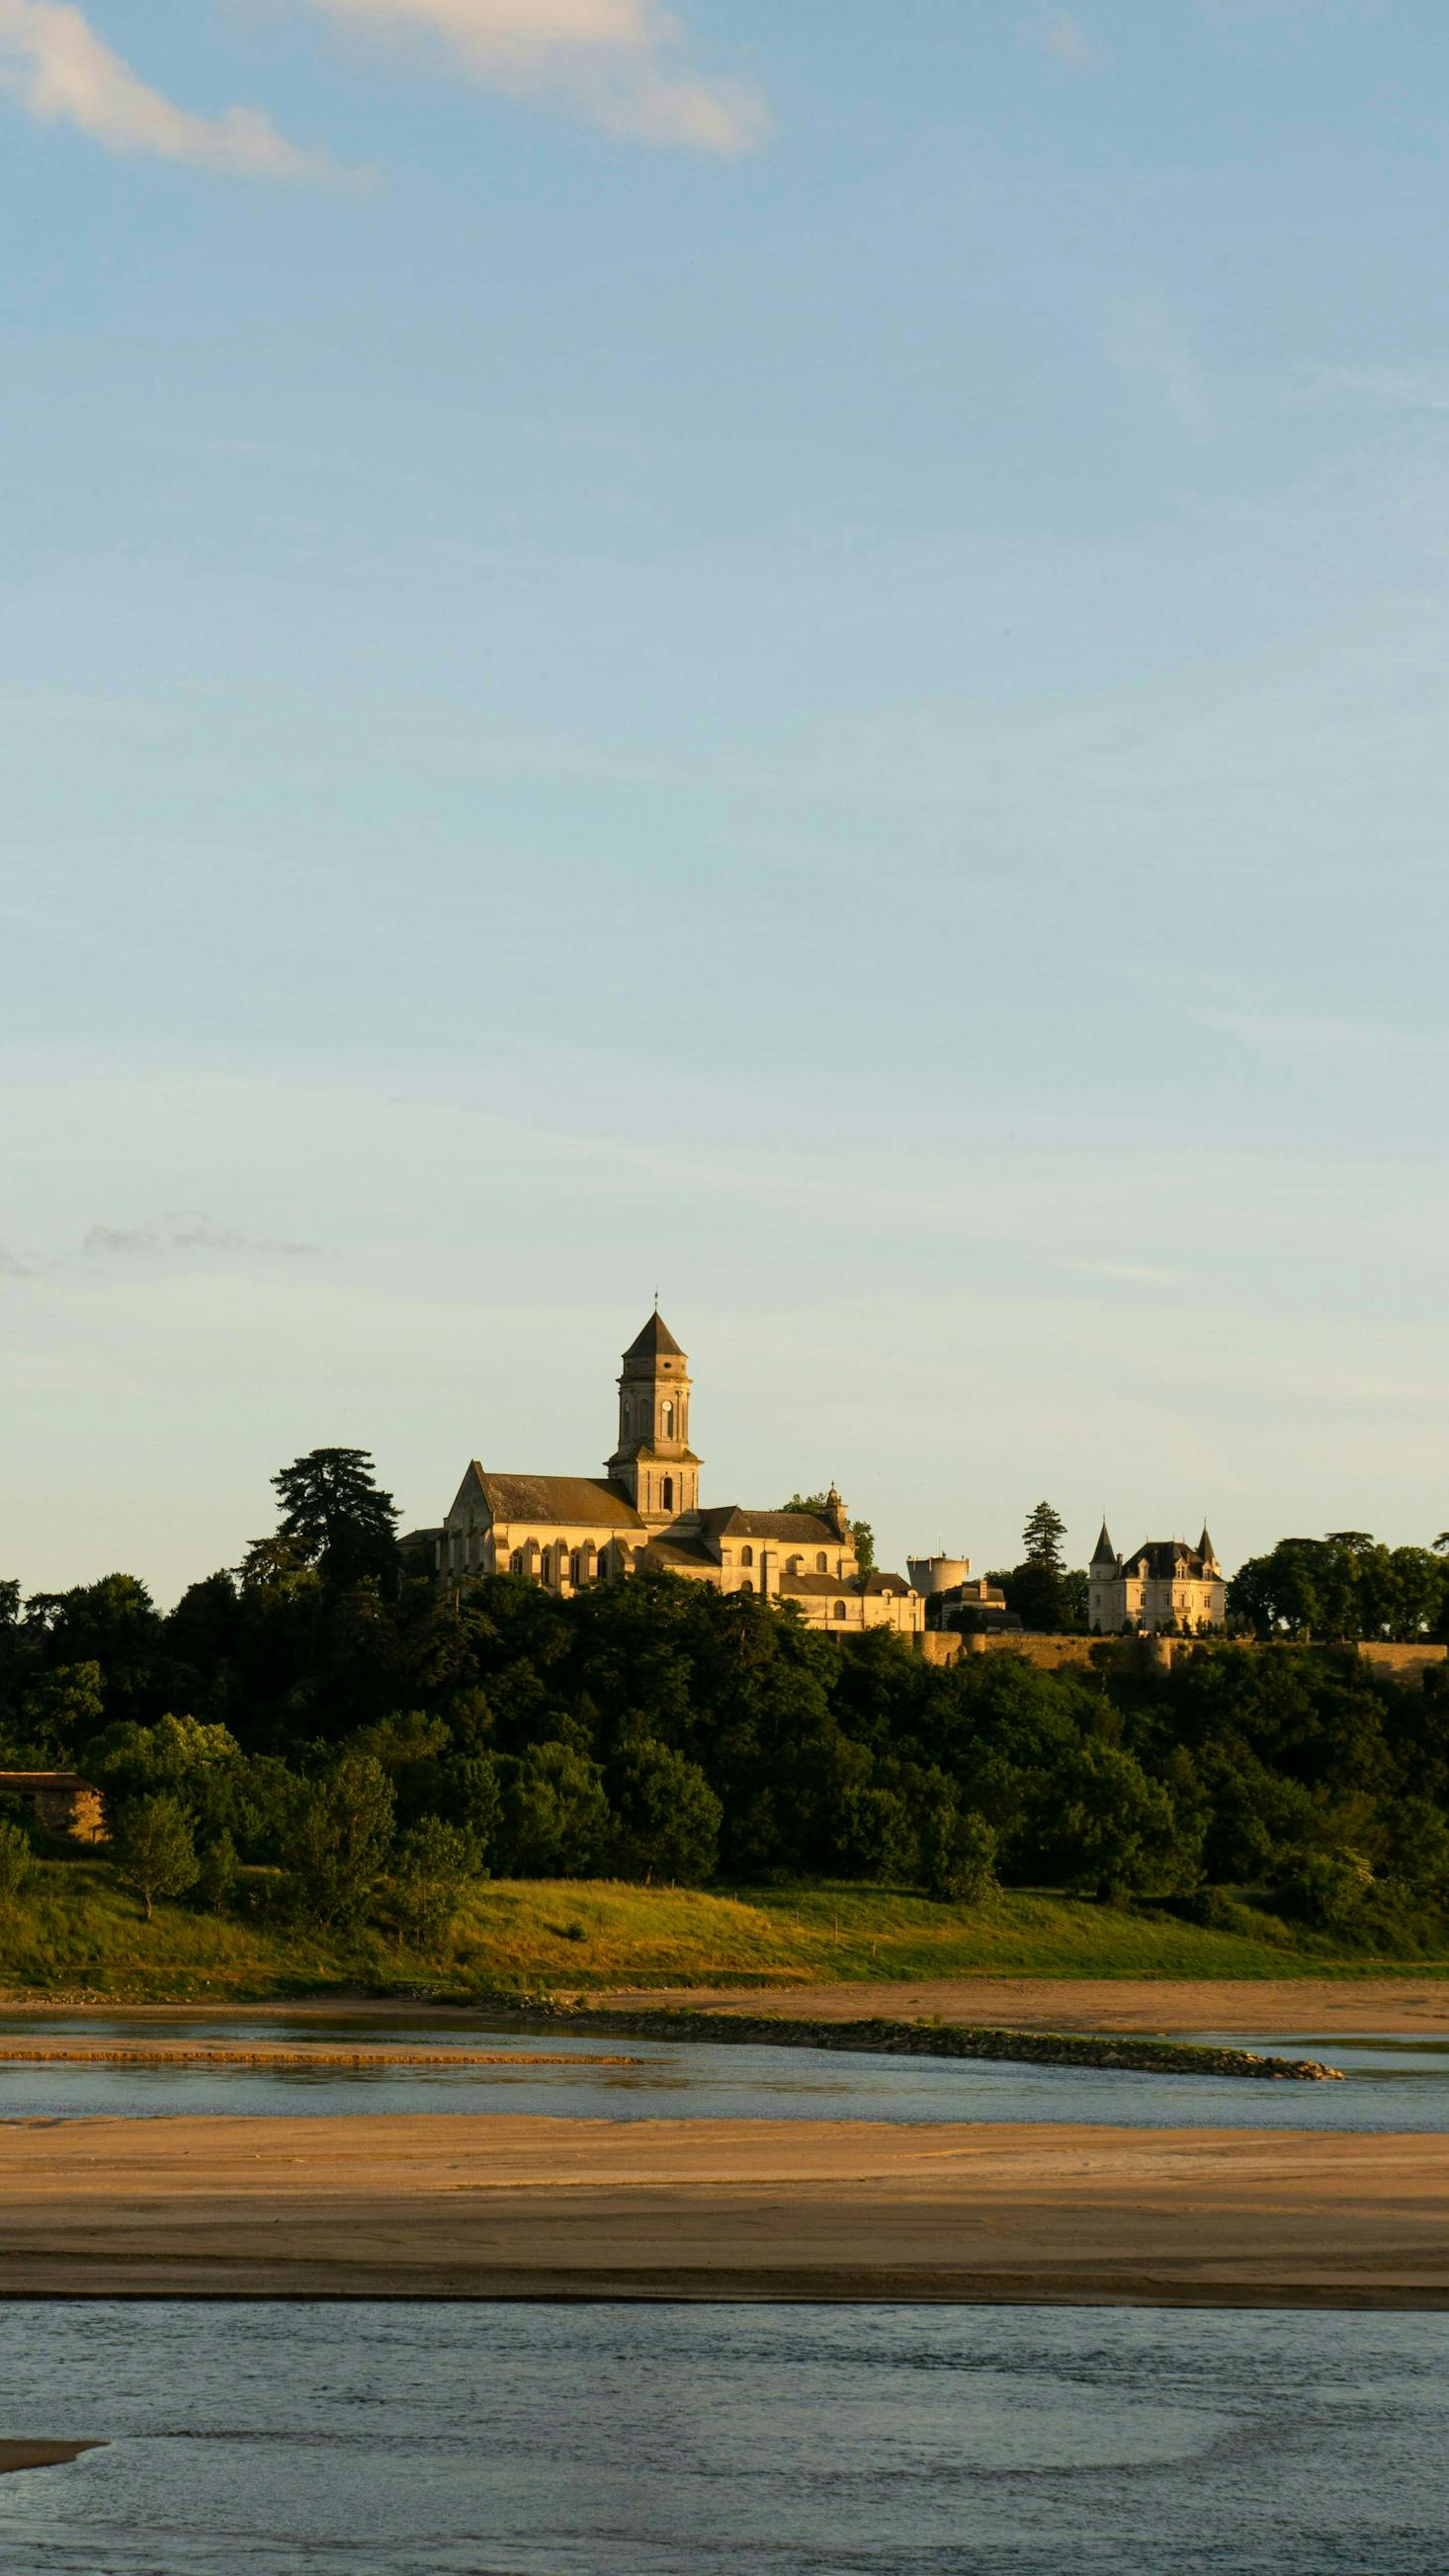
(654, 1461)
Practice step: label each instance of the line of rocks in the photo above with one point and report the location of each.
(922, 2039)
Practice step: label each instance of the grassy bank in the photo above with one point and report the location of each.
(76, 1933)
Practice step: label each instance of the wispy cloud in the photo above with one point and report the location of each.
(56, 67)
(1150, 347)
(183, 1230)
(1067, 41)
(619, 64)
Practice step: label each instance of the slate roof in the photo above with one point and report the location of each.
(681, 1556)
(814, 1584)
(1167, 1559)
(555, 1501)
(1104, 1552)
(805, 1529)
(655, 1342)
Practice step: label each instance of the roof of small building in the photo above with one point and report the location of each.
(23, 1780)
(655, 1342)
(731, 1520)
(588, 1502)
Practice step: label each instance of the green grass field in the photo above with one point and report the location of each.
(77, 1934)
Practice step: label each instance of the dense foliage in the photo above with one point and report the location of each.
(351, 1740)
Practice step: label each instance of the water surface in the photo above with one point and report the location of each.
(1393, 2083)
(399, 2440)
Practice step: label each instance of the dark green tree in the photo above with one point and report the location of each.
(17, 1864)
(336, 1519)
(340, 1839)
(666, 1815)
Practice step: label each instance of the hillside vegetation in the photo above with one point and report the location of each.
(321, 1767)
(81, 1935)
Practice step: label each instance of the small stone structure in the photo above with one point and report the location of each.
(61, 1802)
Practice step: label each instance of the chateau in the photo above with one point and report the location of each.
(645, 1511)
(1163, 1584)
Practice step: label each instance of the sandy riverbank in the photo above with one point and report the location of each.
(1409, 2006)
(437, 2205)
(1412, 2007)
(41, 2455)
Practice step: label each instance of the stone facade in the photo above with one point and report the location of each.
(645, 1512)
(1163, 1585)
(61, 1802)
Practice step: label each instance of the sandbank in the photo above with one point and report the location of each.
(442, 2206)
(41, 2455)
(1410, 2007)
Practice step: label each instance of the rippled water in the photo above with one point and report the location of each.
(653, 2441)
(1392, 2083)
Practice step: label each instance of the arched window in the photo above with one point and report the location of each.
(820, 1565)
(669, 1422)
(840, 1609)
(747, 1557)
(515, 1562)
(794, 1565)
(669, 1493)
(574, 1566)
(747, 1585)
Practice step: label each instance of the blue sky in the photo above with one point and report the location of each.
(798, 654)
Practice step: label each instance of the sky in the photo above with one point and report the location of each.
(796, 656)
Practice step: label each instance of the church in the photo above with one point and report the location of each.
(645, 1512)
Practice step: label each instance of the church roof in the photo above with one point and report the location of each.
(830, 1584)
(655, 1342)
(558, 1501)
(729, 1520)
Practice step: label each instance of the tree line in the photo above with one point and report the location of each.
(322, 1729)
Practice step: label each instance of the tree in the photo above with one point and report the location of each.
(862, 1536)
(336, 1517)
(667, 1817)
(556, 1820)
(1040, 1590)
(433, 1863)
(1041, 1540)
(153, 1849)
(341, 1837)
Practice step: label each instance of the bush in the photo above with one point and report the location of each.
(217, 1874)
(958, 1856)
(17, 1865)
(432, 1865)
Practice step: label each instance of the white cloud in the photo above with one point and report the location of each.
(1067, 39)
(56, 66)
(184, 1230)
(619, 64)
